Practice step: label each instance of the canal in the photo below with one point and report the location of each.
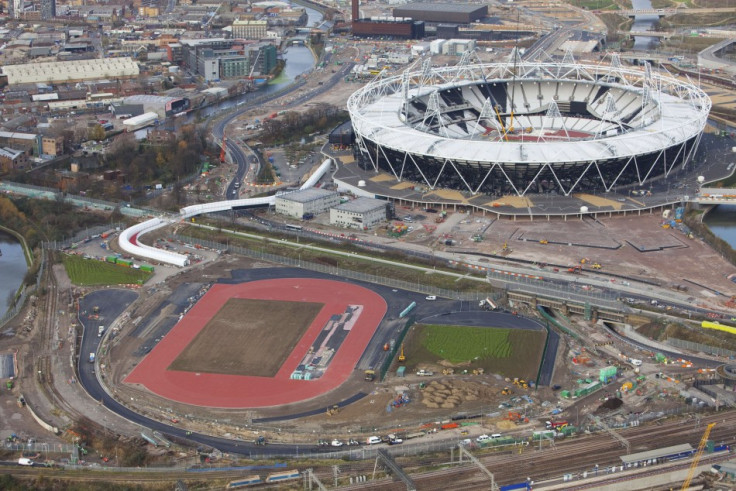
(722, 222)
(12, 269)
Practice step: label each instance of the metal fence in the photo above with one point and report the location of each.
(703, 348)
(336, 270)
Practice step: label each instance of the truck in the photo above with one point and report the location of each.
(100, 330)
(25, 461)
(425, 373)
(91, 357)
(488, 304)
(370, 375)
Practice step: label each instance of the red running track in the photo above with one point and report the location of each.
(236, 391)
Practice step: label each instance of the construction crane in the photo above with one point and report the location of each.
(696, 459)
(401, 355)
(253, 66)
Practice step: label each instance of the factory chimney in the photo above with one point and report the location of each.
(356, 10)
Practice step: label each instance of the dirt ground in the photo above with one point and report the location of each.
(248, 337)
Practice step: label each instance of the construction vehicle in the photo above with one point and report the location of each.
(696, 458)
(331, 411)
(544, 241)
(575, 270)
(478, 371)
(370, 375)
(506, 391)
(520, 382)
(448, 371)
(9, 384)
(261, 440)
(401, 354)
(596, 266)
(516, 418)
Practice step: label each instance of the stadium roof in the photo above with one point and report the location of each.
(379, 118)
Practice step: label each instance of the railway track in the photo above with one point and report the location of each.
(571, 456)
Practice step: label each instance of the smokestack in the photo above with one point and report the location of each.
(356, 10)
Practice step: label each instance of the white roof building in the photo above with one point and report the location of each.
(68, 71)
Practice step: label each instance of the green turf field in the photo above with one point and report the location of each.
(511, 352)
(93, 272)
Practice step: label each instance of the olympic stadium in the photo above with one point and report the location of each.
(522, 128)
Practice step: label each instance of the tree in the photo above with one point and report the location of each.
(97, 133)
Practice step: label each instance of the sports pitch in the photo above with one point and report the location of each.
(248, 337)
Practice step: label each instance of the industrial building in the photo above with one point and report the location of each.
(30, 142)
(389, 26)
(71, 71)
(137, 122)
(161, 105)
(249, 29)
(360, 213)
(442, 12)
(12, 159)
(306, 203)
(398, 27)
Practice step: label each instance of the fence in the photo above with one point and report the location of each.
(82, 236)
(703, 348)
(335, 270)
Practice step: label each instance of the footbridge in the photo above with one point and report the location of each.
(129, 238)
(568, 307)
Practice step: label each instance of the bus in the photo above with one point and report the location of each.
(296, 228)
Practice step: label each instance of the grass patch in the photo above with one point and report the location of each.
(509, 352)
(458, 344)
(91, 272)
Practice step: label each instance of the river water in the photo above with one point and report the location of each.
(643, 23)
(722, 222)
(12, 269)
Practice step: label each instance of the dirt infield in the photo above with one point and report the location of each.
(234, 340)
(247, 391)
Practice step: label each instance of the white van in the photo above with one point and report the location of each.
(430, 297)
(372, 440)
(495, 436)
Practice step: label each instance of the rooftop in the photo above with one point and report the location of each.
(362, 205)
(306, 195)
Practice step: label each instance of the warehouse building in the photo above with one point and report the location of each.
(249, 29)
(12, 159)
(306, 203)
(360, 213)
(71, 71)
(162, 105)
(442, 12)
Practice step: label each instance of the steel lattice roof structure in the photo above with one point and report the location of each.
(522, 127)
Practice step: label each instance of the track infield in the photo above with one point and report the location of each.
(226, 378)
(233, 341)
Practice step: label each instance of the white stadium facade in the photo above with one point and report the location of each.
(524, 128)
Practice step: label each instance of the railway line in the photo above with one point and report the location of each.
(570, 456)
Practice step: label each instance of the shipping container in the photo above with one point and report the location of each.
(146, 267)
(111, 259)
